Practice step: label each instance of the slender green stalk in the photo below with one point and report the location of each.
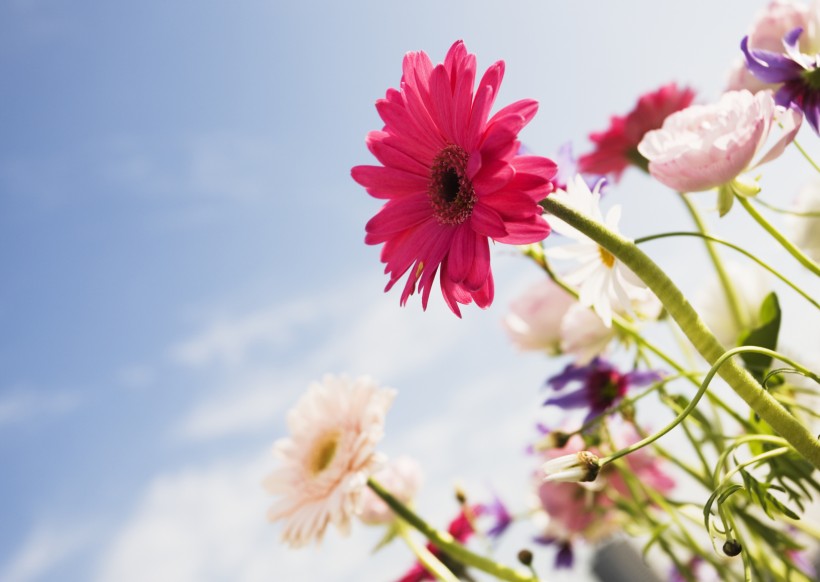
(446, 543)
(773, 208)
(726, 282)
(691, 324)
(741, 250)
(806, 155)
(778, 236)
(426, 557)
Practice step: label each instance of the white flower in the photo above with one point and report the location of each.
(603, 282)
(402, 478)
(805, 230)
(751, 284)
(334, 430)
(581, 467)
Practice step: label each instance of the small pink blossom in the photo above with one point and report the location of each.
(766, 33)
(534, 320)
(710, 146)
(402, 477)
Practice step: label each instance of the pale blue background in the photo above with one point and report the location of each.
(181, 253)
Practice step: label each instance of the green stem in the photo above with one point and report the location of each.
(691, 324)
(742, 251)
(778, 236)
(426, 557)
(726, 282)
(773, 208)
(445, 542)
(806, 155)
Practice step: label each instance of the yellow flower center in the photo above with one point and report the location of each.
(607, 258)
(323, 452)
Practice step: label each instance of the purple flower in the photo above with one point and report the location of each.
(564, 556)
(597, 386)
(798, 72)
(500, 515)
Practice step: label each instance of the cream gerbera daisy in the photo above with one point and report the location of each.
(604, 283)
(331, 451)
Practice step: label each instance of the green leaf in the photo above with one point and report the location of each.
(764, 336)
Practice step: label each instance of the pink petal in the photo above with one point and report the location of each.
(480, 265)
(541, 167)
(463, 98)
(399, 122)
(512, 205)
(442, 99)
(379, 144)
(492, 177)
(791, 120)
(397, 215)
(525, 232)
(486, 221)
(462, 253)
(382, 182)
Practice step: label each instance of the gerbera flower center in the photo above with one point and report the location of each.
(607, 258)
(451, 191)
(323, 452)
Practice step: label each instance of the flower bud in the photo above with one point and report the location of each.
(576, 468)
(732, 548)
(525, 557)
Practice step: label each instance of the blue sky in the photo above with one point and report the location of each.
(181, 253)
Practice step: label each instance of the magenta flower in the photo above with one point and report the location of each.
(452, 178)
(616, 148)
(798, 72)
(597, 386)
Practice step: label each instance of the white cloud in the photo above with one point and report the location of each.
(208, 523)
(228, 341)
(43, 550)
(24, 404)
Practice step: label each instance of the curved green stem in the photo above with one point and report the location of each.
(693, 327)
(778, 236)
(425, 556)
(773, 208)
(726, 282)
(445, 542)
(733, 246)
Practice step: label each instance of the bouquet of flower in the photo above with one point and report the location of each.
(723, 484)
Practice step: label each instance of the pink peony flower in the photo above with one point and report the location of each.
(326, 461)
(402, 478)
(766, 33)
(710, 146)
(616, 148)
(452, 178)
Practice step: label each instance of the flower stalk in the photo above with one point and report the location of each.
(695, 330)
(445, 542)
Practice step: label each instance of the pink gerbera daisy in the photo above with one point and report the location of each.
(452, 178)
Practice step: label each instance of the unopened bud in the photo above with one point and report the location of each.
(579, 467)
(732, 548)
(461, 496)
(525, 557)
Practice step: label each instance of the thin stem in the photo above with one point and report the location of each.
(742, 251)
(806, 155)
(778, 236)
(427, 559)
(773, 208)
(725, 281)
(445, 542)
(695, 329)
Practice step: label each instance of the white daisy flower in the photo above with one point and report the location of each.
(331, 451)
(603, 282)
(805, 230)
